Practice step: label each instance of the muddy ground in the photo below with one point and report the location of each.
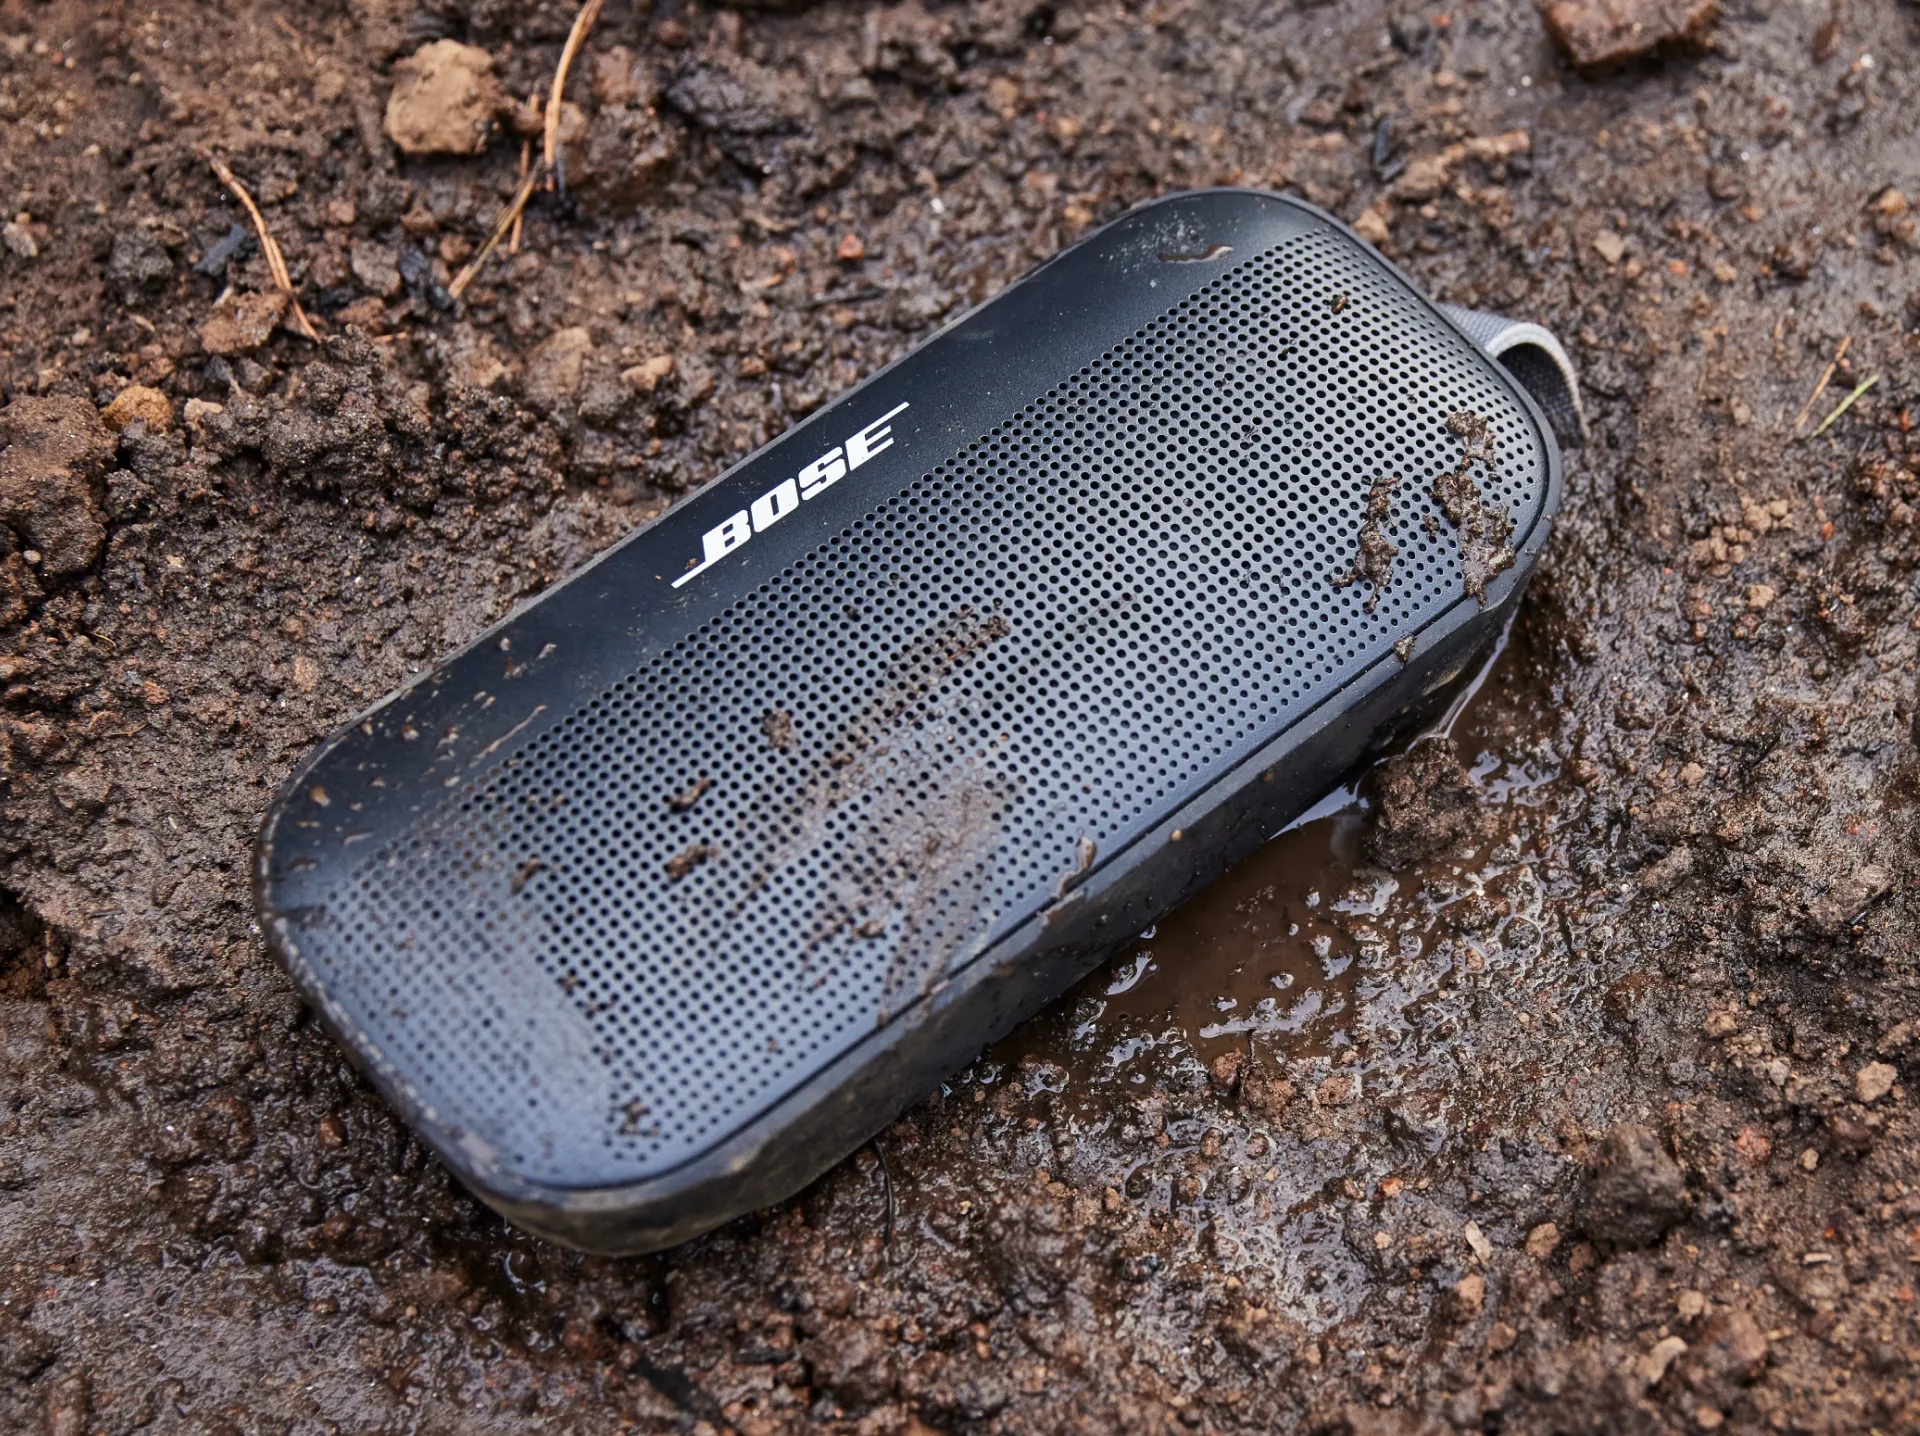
(1567, 1085)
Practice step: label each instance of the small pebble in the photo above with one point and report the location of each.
(1654, 1364)
(19, 239)
(1470, 1295)
(137, 402)
(1874, 1081)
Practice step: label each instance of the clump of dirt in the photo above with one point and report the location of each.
(1635, 1192)
(56, 451)
(1680, 937)
(1484, 532)
(684, 800)
(1428, 804)
(777, 724)
(687, 859)
(1600, 35)
(1374, 561)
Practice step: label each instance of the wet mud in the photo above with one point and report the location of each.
(1374, 560)
(1310, 979)
(1560, 1079)
(1483, 531)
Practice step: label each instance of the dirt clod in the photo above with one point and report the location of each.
(777, 724)
(1335, 1091)
(18, 238)
(138, 262)
(56, 452)
(650, 375)
(1731, 1353)
(1374, 561)
(684, 800)
(444, 100)
(1470, 1296)
(1634, 1190)
(555, 368)
(138, 404)
(687, 859)
(1484, 531)
(1266, 1094)
(1599, 35)
(241, 323)
(67, 1406)
(1874, 1081)
(1428, 805)
(24, 1351)
(377, 267)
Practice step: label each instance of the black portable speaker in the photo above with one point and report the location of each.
(685, 879)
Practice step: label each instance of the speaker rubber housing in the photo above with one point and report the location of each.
(682, 881)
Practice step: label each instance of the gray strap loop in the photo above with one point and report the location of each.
(1534, 357)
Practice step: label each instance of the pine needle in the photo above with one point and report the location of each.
(1825, 379)
(526, 168)
(509, 217)
(269, 248)
(1845, 404)
(550, 150)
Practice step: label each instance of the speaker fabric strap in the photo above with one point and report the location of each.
(1538, 360)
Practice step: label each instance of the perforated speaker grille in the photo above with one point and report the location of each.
(1012, 666)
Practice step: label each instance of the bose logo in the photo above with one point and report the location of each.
(776, 503)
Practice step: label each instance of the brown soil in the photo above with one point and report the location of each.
(1605, 1116)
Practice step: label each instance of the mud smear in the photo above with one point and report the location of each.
(1374, 561)
(1199, 256)
(924, 817)
(1485, 533)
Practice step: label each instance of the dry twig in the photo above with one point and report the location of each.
(519, 219)
(269, 247)
(1826, 378)
(510, 217)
